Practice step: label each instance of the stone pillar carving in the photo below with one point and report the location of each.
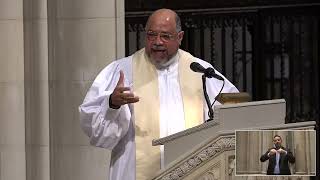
(265, 145)
(12, 104)
(311, 136)
(241, 156)
(253, 155)
(299, 152)
(248, 152)
(83, 39)
(304, 151)
(36, 89)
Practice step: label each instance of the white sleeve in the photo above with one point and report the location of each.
(103, 125)
(214, 86)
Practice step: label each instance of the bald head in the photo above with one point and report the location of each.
(165, 15)
(163, 37)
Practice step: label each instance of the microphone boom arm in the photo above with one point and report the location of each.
(210, 110)
(207, 73)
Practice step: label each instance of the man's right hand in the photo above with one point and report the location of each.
(121, 95)
(272, 151)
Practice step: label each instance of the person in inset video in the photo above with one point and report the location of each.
(279, 158)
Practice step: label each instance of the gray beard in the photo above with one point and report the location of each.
(163, 65)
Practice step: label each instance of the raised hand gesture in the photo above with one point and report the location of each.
(121, 95)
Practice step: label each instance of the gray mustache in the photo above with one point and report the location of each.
(155, 47)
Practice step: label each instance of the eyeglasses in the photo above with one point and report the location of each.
(165, 37)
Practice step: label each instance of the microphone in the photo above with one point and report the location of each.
(209, 72)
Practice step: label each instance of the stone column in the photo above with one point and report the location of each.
(84, 36)
(265, 145)
(253, 156)
(299, 152)
(310, 151)
(12, 104)
(241, 151)
(36, 89)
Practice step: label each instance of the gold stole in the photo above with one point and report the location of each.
(146, 111)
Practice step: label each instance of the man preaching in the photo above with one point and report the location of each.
(148, 95)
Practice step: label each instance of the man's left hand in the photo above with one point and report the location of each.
(281, 151)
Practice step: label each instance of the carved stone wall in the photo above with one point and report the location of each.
(215, 159)
(50, 52)
(208, 161)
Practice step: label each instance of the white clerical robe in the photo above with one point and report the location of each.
(113, 128)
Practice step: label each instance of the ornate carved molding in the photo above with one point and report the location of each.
(200, 157)
(212, 174)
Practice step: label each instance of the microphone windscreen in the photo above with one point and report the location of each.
(196, 67)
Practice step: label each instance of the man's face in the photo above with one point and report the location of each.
(162, 39)
(277, 141)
